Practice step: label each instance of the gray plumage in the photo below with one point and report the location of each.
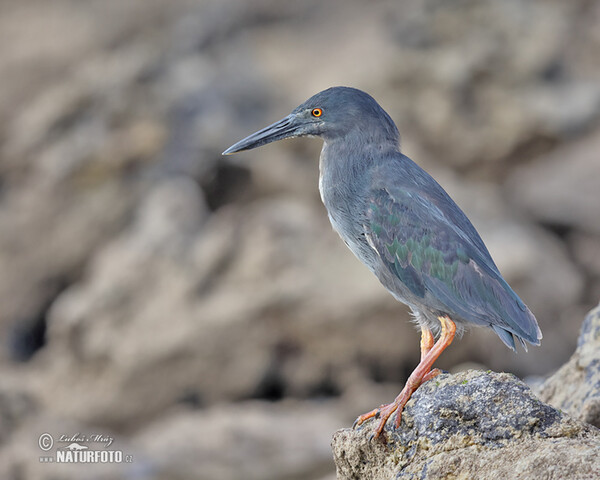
(398, 220)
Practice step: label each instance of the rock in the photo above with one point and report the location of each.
(16, 404)
(197, 284)
(21, 457)
(250, 440)
(472, 425)
(465, 85)
(71, 128)
(586, 248)
(575, 387)
(545, 188)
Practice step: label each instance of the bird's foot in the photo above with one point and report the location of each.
(384, 412)
(432, 374)
(375, 413)
(421, 374)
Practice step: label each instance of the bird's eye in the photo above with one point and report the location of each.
(316, 112)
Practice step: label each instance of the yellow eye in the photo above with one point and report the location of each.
(316, 112)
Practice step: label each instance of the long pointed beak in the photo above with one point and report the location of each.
(285, 128)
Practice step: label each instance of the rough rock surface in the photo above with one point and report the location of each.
(472, 425)
(480, 425)
(575, 387)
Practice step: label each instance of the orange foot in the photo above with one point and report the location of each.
(423, 372)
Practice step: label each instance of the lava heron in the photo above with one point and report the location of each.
(404, 227)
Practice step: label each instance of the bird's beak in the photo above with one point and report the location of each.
(285, 128)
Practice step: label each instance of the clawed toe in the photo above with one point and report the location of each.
(365, 416)
(383, 413)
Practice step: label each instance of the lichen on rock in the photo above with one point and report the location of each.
(472, 425)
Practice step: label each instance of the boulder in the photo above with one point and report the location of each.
(253, 440)
(575, 387)
(473, 425)
(545, 188)
(484, 425)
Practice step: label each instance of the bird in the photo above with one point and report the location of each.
(399, 221)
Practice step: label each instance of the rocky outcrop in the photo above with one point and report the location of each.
(485, 425)
(575, 387)
(544, 187)
(473, 425)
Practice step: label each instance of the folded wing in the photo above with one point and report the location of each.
(418, 238)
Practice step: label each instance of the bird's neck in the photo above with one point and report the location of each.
(345, 169)
(339, 163)
(348, 159)
(345, 173)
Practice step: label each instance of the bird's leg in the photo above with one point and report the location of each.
(431, 374)
(427, 342)
(421, 373)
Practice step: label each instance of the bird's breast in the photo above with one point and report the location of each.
(337, 194)
(343, 193)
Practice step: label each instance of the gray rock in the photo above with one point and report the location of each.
(561, 188)
(245, 441)
(21, 457)
(183, 304)
(71, 128)
(472, 425)
(575, 387)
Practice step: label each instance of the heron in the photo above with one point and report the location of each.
(405, 228)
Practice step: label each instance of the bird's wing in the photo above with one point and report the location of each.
(417, 238)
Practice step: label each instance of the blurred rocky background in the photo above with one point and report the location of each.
(200, 309)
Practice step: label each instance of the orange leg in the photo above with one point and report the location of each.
(420, 374)
(427, 341)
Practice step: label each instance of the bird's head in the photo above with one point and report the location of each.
(331, 114)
